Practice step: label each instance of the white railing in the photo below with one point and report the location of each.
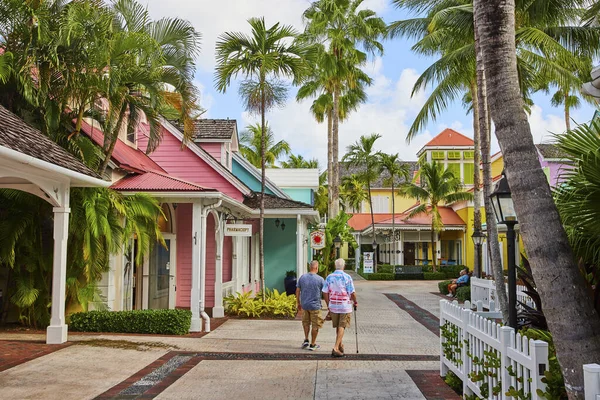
(228, 288)
(490, 359)
(484, 290)
(591, 381)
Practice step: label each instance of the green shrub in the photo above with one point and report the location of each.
(434, 276)
(276, 305)
(443, 286)
(451, 271)
(410, 277)
(454, 382)
(380, 276)
(385, 269)
(166, 322)
(463, 293)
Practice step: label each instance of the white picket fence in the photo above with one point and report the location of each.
(484, 290)
(591, 381)
(489, 359)
(228, 288)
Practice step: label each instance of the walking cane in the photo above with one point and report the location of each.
(356, 329)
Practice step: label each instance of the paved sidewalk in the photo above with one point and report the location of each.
(218, 366)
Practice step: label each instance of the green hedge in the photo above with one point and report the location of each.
(434, 276)
(380, 276)
(443, 286)
(167, 322)
(463, 293)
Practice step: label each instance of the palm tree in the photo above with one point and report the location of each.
(362, 154)
(344, 27)
(437, 187)
(550, 256)
(321, 195)
(263, 58)
(250, 146)
(390, 165)
(353, 192)
(297, 161)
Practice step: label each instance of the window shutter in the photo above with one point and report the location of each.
(469, 171)
(454, 155)
(469, 155)
(455, 169)
(438, 155)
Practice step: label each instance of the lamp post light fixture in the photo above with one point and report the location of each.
(337, 243)
(478, 239)
(504, 211)
(277, 222)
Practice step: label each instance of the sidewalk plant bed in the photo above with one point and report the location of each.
(387, 272)
(276, 305)
(165, 322)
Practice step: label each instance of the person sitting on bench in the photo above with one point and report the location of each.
(463, 280)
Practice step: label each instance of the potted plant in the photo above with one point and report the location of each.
(290, 282)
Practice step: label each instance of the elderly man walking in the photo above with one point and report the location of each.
(308, 297)
(340, 296)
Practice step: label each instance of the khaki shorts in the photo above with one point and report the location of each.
(340, 320)
(312, 317)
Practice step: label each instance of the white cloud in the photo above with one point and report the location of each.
(543, 126)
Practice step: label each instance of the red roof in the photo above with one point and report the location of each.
(156, 182)
(449, 217)
(127, 157)
(449, 137)
(360, 221)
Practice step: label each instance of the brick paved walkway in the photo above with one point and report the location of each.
(15, 352)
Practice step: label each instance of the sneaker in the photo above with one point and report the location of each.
(305, 344)
(341, 348)
(314, 347)
(336, 354)
(449, 295)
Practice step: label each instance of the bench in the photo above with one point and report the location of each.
(408, 272)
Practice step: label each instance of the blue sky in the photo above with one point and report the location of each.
(390, 110)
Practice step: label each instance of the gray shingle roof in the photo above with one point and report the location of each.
(214, 128)
(347, 170)
(16, 135)
(550, 151)
(273, 202)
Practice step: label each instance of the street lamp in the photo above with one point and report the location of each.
(504, 211)
(478, 239)
(375, 254)
(337, 243)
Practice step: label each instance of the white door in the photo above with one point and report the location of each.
(162, 274)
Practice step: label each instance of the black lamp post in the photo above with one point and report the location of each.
(505, 214)
(375, 254)
(337, 243)
(478, 239)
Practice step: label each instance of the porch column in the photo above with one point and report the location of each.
(218, 310)
(196, 325)
(438, 246)
(357, 253)
(56, 333)
(299, 247)
(401, 243)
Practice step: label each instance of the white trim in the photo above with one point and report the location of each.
(196, 149)
(256, 174)
(212, 140)
(78, 179)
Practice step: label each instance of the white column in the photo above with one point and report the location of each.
(218, 310)
(438, 245)
(357, 253)
(56, 333)
(196, 325)
(299, 248)
(401, 261)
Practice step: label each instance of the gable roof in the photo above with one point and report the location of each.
(550, 151)
(17, 135)
(273, 202)
(360, 221)
(252, 170)
(127, 158)
(449, 138)
(450, 219)
(214, 129)
(346, 170)
(156, 182)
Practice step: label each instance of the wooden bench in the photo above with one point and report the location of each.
(408, 272)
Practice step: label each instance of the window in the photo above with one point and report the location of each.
(438, 155)
(455, 169)
(381, 204)
(454, 155)
(469, 155)
(469, 171)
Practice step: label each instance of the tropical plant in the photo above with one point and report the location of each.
(337, 226)
(321, 195)
(298, 161)
(362, 154)
(353, 193)
(395, 170)
(263, 58)
(344, 26)
(251, 141)
(543, 235)
(437, 187)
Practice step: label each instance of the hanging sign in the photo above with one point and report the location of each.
(317, 240)
(368, 263)
(238, 230)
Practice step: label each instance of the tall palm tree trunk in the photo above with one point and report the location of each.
(335, 181)
(476, 177)
(571, 317)
(330, 176)
(261, 232)
(110, 141)
(433, 247)
(491, 225)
